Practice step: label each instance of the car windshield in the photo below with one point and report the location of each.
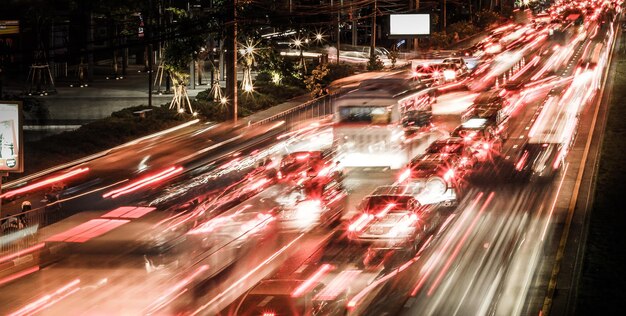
(297, 161)
(369, 114)
(264, 304)
(445, 148)
(395, 202)
(472, 133)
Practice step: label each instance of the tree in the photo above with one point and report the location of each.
(179, 52)
(315, 81)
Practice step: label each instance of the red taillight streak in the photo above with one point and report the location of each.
(45, 301)
(18, 275)
(258, 184)
(559, 157)
(556, 197)
(247, 275)
(404, 175)
(457, 249)
(161, 301)
(88, 230)
(446, 245)
(129, 212)
(337, 285)
(449, 175)
(363, 220)
(308, 284)
(354, 301)
(154, 180)
(143, 182)
(43, 183)
(303, 157)
(520, 164)
(336, 198)
(386, 210)
(98, 231)
(22, 252)
(521, 71)
(77, 230)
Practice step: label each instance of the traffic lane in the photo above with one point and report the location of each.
(461, 271)
(126, 243)
(118, 258)
(359, 182)
(108, 177)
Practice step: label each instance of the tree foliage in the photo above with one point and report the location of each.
(183, 48)
(315, 81)
(486, 18)
(374, 63)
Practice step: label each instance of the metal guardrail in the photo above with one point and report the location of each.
(319, 107)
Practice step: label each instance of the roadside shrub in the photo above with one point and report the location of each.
(338, 71)
(464, 29)
(486, 18)
(374, 63)
(315, 81)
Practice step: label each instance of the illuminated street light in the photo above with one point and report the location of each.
(223, 100)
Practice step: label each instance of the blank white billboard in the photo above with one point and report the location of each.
(409, 24)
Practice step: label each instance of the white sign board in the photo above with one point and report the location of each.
(11, 150)
(409, 24)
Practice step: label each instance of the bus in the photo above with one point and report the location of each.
(383, 122)
(549, 141)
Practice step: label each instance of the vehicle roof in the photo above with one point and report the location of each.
(453, 59)
(394, 190)
(276, 287)
(474, 123)
(488, 97)
(449, 140)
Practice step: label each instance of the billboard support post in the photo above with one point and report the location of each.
(2, 175)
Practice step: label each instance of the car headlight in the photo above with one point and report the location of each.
(436, 186)
(449, 74)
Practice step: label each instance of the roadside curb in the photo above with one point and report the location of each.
(34, 258)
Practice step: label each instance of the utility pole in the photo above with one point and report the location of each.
(149, 39)
(354, 24)
(231, 55)
(373, 41)
(445, 15)
(415, 6)
(339, 30)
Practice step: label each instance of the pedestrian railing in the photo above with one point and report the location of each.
(20, 231)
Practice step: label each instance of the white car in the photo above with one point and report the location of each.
(391, 218)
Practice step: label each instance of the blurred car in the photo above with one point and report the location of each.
(298, 164)
(482, 136)
(439, 177)
(318, 201)
(276, 297)
(454, 69)
(390, 218)
(431, 74)
(218, 242)
(487, 100)
(453, 149)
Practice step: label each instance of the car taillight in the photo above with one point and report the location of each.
(404, 175)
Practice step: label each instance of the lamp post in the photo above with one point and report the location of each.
(231, 54)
